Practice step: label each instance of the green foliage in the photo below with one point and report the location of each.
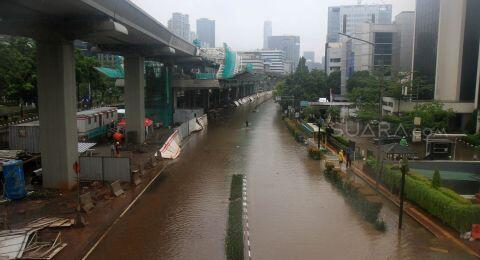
(315, 153)
(380, 225)
(473, 139)
(303, 84)
(342, 140)
(362, 198)
(294, 130)
(433, 116)
(441, 203)
(234, 239)
(360, 79)
(334, 82)
(334, 112)
(18, 69)
(436, 180)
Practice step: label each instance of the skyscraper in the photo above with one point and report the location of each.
(290, 45)
(426, 38)
(179, 24)
(403, 41)
(267, 32)
(206, 32)
(349, 16)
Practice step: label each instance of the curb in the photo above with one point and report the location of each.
(414, 213)
(124, 212)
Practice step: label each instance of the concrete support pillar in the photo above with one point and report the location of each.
(57, 99)
(135, 98)
(451, 31)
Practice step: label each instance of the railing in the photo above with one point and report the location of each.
(205, 76)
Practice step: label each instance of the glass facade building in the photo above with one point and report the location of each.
(206, 32)
(470, 51)
(426, 37)
(353, 15)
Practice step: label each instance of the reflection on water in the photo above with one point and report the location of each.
(293, 212)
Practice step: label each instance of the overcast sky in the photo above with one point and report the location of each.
(239, 23)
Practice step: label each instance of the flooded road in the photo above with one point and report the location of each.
(294, 213)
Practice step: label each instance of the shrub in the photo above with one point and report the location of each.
(453, 195)
(473, 139)
(442, 203)
(436, 180)
(362, 198)
(315, 153)
(342, 140)
(380, 225)
(234, 238)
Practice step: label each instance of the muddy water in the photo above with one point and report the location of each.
(293, 212)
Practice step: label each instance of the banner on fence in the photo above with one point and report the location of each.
(171, 148)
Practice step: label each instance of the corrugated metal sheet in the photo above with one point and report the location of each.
(116, 168)
(25, 137)
(83, 147)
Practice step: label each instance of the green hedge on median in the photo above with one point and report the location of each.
(294, 130)
(445, 204)
(234, 246)
(362, 198)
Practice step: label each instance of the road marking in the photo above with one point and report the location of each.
(245, 208)
(124, 212)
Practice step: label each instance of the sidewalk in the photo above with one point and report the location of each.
(108, 208)
(432, 224)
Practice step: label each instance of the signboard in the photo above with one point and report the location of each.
(304, 104)
(417, 121)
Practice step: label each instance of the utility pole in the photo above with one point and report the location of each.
(404, 169)
(380, 109)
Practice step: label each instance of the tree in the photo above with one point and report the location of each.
(304, 85)
(334, 82)
(18, 69)
(360, 79)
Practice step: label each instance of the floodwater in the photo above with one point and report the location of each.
(294, 213)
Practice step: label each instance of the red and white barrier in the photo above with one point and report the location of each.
(171, 149)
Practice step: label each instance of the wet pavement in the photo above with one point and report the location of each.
(294, 213)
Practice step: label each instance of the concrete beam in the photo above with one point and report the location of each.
(57, 106)
(135, 98)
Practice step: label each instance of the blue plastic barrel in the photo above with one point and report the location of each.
(14, 180)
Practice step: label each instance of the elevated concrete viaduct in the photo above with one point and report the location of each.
(114, 26)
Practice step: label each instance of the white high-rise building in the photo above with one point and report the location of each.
(267, 32)
(179, 24)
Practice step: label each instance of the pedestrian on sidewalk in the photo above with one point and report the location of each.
(349, 158)
(117, 149)
(113, 149)
(341, 158)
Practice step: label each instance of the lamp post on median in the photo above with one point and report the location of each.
(404, 169)
(380, 105)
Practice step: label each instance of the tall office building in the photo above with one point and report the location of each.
(309, 56)
(403, 42)
(447, 44)
(267, 60)
(206, 32)
(426, 39)
(352, 15)
(290, 45)
(267, 32)
(179, 24)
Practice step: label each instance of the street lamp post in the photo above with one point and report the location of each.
(380, 105)
(404, 169)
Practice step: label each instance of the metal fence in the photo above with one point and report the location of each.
(108, 169)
